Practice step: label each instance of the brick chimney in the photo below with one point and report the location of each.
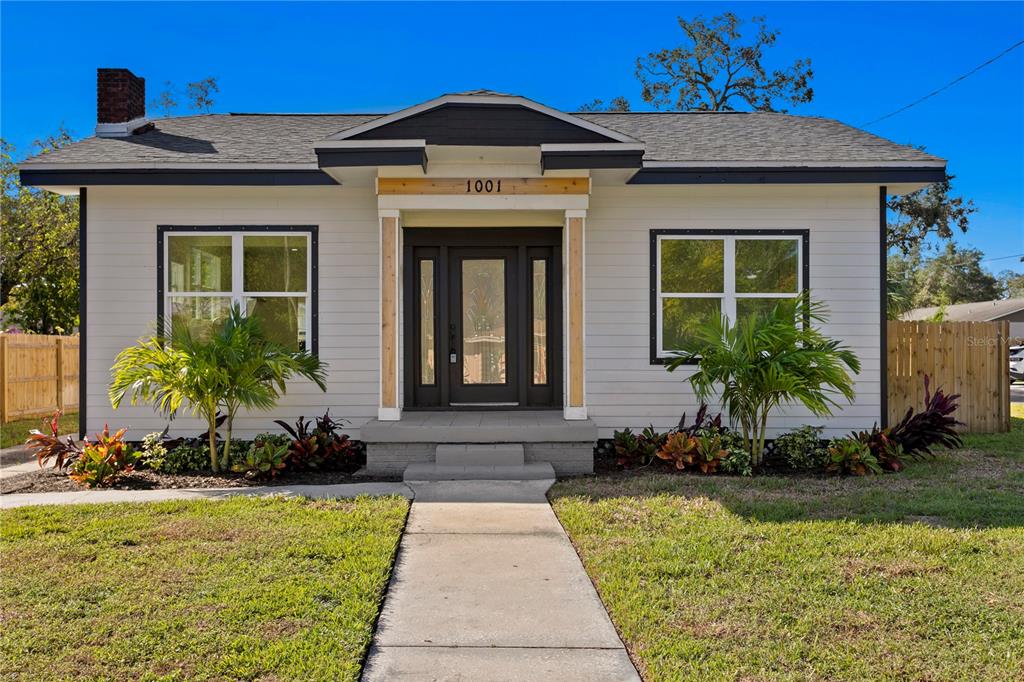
(120, 102)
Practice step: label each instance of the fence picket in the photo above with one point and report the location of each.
(969, 358)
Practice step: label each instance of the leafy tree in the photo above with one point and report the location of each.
(766, 360)
(952, 276)
(38, 249)
(198, 94)
(235, 367)
(1012, 283)
(617, 104)
(715, 68)
(166, 101)
(929, 211)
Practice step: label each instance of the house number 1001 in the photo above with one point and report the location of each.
(483, 186)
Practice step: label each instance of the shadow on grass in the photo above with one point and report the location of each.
(981, 485)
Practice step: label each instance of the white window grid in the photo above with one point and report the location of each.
(729, 295)
(238, 294)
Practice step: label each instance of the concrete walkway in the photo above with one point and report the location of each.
(96, 496)
(488, 587)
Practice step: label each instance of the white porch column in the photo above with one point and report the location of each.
(390, 404)
(575, 387)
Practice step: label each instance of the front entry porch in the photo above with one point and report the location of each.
(544, 435)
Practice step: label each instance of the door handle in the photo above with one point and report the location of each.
(453, 356)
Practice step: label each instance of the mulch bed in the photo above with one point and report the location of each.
(50, 481)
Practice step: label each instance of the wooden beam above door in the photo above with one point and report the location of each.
(483, 186)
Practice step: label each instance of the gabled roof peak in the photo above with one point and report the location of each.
(485, 98)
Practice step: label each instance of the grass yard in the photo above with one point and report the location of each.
(268, 589)
(15, 433)
(918, 575)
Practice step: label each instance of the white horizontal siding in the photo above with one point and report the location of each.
(624, 389)
(121, 288)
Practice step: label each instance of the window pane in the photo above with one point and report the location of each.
(692, 266)
(427, 322)
(199, 263)
(746, 307)
(483, 321)
(275, 263)
(540, 322)
(681, 317)
(282, 318)
(767, 266)
(202, 314)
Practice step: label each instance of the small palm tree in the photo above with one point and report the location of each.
(235, 367)
(767, 360)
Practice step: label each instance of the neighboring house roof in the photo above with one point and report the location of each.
(680, 139)
(983, 311)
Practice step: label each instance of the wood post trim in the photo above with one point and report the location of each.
(575, 253)
(389, 260)
(4, 371)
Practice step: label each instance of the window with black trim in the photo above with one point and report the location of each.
(268, 271)
(700, 275)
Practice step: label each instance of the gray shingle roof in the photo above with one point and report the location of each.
(717, 137)
(981, 311)
(681, 137)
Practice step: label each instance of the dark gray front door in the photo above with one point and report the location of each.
(482, 319)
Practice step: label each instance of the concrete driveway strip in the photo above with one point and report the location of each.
(488, 587)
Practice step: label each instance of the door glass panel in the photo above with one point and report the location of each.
(427, 369)
(483, 321)
(540, 322)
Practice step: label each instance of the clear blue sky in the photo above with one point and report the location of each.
(868, 58)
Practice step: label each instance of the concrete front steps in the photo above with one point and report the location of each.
(479, 462)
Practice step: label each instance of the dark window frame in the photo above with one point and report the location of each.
(805, 273)
(314, 274)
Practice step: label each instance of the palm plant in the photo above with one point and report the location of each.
(236, 367)
(766, 360)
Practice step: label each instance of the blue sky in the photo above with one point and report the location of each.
(868, 58)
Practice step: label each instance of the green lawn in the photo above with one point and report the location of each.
(268, 589)
(15, 433)
(918, 575)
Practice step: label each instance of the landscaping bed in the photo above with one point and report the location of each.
(51, 481)
(915, 575)
(233, 589)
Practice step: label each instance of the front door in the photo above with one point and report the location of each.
(482, 318)
(483, 326)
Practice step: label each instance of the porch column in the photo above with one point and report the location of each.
(575, 393)
(390, 408)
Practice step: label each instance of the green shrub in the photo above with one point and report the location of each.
(188, 456)
(264, 459)
(850, 456)
(153, 452)
(737, 462)
(637, 450)
(802, 448)
(103, 461)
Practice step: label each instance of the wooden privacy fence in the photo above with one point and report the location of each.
(969, 358)
(38, 374)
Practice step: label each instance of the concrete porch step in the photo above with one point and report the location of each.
(480, 454)
(438, 472)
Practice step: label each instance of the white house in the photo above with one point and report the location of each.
(479, 267)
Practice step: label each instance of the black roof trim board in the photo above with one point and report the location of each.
(339, 157)
(161, 176)
(573, 160)
(730, 175)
